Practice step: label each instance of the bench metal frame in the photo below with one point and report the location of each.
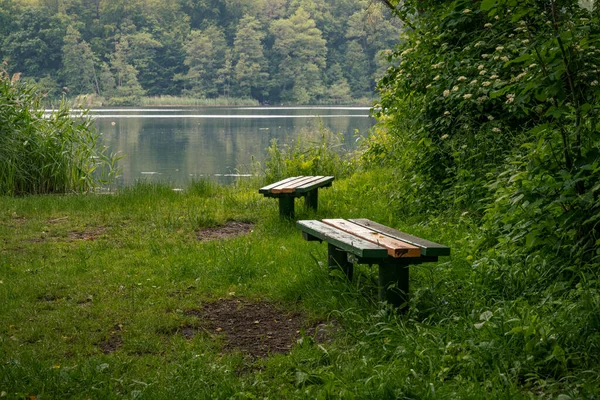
(298, 186)
(344, 250)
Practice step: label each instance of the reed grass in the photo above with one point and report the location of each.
(46, 153)
(191, 101)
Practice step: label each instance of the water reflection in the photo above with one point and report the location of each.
(179, 144)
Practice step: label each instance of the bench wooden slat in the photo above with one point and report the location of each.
(266, 189)
(396, 248)
(322, 181)
(342, 240)
(290, 187)
(285, 183)
(428, 248)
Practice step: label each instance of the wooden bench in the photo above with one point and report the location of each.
(298, 186)
(366, 242)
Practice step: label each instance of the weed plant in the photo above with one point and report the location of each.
(315, 152)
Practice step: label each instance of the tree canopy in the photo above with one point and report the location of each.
(270, 50)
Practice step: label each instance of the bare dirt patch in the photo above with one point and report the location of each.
(88, 234)
(113, 342)
(257, 329)
(230, 229)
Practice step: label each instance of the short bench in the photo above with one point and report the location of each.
(366, 242)
(298, 186)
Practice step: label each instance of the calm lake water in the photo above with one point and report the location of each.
(179, 144)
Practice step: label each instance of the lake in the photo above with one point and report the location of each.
(179, 144)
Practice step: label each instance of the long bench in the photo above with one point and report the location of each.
(363, 241)
(298, 186)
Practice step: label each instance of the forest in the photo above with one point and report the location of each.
(272, 51)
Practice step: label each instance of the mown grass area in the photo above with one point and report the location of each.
(76, 269)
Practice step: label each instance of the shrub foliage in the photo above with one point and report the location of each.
(493, 106)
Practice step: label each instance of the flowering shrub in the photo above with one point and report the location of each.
(500, 101)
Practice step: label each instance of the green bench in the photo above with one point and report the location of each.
(298, 186)
(366, 242)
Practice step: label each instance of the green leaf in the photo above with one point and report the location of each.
(488, 4)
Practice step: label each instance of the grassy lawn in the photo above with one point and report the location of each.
(119, 296)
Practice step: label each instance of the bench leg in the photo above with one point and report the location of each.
(312, 199)
(393, 284)
(286, 207)
(337, 258)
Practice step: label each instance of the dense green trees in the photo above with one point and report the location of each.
(270, 50)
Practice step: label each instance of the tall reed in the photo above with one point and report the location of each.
(191, 101)
(46, 153)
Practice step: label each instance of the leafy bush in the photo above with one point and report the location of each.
(41, 153)
(491, 107)
(503, 105)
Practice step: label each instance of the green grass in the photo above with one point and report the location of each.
(61, 295)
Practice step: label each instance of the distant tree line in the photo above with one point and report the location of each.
(274, 51)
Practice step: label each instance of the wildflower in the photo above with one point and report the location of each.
(548, 23)
(445, 136)
(473, 82)
(446, 113)
(405, 52)
(482, 99)
(485, 55)
(510, 98)
(482, 72)
(436, 78)
(486, 84)
(499, 48)
(467, 96)
(496, 130)
(504, 58)
(522, 23)
(478, 44)
(496, 58)
(480, 67)
(446, 93)
(594, 83)
(490, 118)
(494, 76)
(418, 42)
(455, 89)
(584, 19)
(462, 78)
(525, 41)
(428, 86)
(488, 25)
(496, 18)
(466, 11)
(532, 65)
